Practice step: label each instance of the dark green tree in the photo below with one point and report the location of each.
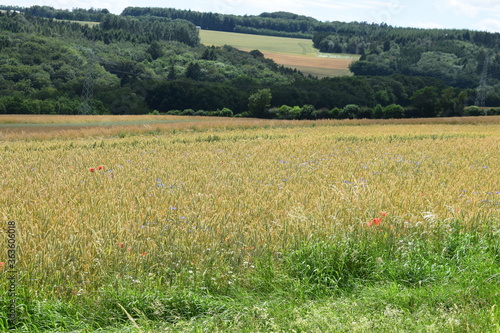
(425, 101)
(259, 103)
(155, 50)
(393, 111)
(193, 71)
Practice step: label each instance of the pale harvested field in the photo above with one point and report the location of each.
(297, 60)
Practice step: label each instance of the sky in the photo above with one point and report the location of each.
(460, 14)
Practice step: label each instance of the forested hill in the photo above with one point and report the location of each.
(455, 56)
(271, 24)
(123, 64)
(46, 64)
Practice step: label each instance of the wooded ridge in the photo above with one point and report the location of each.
(151, 59)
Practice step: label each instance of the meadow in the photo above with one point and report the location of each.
(290, 52)
(185, 224)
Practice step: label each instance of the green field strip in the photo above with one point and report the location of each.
(294, 46)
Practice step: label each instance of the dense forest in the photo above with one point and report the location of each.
(151, 60)
(455, 56)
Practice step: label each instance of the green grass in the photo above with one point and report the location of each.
(293, 46)
(445, 282)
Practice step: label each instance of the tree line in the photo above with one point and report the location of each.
(76, 14)
(282, 22)
(456, 56)
(113, 28)
(137, 66)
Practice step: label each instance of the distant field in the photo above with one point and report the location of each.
(291, 52)
(90, 24)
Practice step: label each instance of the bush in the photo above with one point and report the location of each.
(188, 112)
(307, 112)
(225, 112)
(494, 112)
(174, 112)
(246, 114)
(364, 113)
(323, 113)
(335, 113)
(287, 112)
(378, 112)
(350, 111)
(393, 111)
(411, 112)
(473, 111)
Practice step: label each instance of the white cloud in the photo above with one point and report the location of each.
(471, 8)
(425, 25)
(357, 4)
(323, 6)
(491, 25)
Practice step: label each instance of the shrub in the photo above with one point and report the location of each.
(364, 113)
(323, 113)
(473, 111)
(349, 111)
(307, 112)
(225, 112)
(246, 114)
(188, 112)
(335, 113)
(287, 112)
(393, 111)
(378, 112)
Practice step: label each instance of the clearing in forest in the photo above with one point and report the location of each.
(291, 52)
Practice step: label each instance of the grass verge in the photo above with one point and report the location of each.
(374, 280)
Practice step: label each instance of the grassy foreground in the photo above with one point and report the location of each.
(336, 226)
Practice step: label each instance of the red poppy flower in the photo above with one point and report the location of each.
(99, 167)
(121, 245)
(92, 169)
(143, 253)
(377, 220)
(384, 214)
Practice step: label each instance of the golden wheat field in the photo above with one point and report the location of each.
(143, 207)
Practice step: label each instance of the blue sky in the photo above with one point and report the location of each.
(466, 14)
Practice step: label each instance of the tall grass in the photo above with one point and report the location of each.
(184, 225)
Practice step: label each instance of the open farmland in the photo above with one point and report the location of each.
(291, 52)
(236, 225)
